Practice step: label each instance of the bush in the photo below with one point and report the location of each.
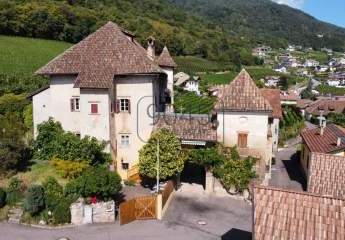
(34, 202)
(53, 193)
(2, 198)
(99, 182)
(14, 191)
(69, 169)
(62, 213)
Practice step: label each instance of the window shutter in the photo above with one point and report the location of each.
(72, 105)
(117, 106)
(94, 108)
(129, 106)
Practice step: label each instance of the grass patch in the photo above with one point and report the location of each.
(37, 174)
(218, 79)
(325, 89)
(23, 56)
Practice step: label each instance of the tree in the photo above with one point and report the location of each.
(34, 202)
(207, 157)
(283, 83)
(53, 193)
(171, 157)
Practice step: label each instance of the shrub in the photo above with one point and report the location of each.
(207, 157)
(62, 213)
(53, 193)
(14, 191)
(99, 182)
(2, 197)
(34, 202)
(69, 169)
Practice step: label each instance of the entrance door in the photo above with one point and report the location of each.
(242, 140)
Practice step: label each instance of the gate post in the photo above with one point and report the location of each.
(159, 206)
(209, 182)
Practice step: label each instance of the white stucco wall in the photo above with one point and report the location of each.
(275, 134)
(96, 125)
(41, 108)
(255, 124)
(61, 91)
(138, 123)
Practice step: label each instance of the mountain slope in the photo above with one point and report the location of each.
(267, 21)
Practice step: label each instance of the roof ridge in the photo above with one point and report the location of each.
(258, 186)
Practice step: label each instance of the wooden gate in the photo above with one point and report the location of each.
(140, 208)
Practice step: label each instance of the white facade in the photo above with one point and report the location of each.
(192, 86)
(41, 107)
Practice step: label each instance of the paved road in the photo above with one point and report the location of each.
(286, 173)
(223, 215)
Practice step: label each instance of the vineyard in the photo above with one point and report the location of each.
(189, 102)
(291, 124)
(190, 64)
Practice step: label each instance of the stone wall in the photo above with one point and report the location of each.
(102, 212)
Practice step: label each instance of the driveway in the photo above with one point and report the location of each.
(225, 217)
(286, 172)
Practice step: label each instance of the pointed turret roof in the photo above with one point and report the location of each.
(165, 59)
(95, 60)
(243, 95)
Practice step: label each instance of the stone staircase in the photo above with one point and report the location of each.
(15, 215)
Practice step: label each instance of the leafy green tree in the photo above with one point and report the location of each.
(34, 202)
(99, 182)
(207, 157)
(283, 83)
(336, 118)
(171, 157)
(53, 193)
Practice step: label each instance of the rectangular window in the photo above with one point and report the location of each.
(124, 105)
(125, 166)
(75, 104)
(242, 140)
(94, 108)
(124, 140)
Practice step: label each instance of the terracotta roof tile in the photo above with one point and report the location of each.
(242, 95)
(283, 214)
(165, 59)
(188, 128)
(273, 97)
(327, 175)
(327, 105)
(96, 59)
(326, 143)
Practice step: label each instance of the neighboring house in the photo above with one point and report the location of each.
(302, 104)
(321, 69)
(326, 175)
(190, 84)
(272, 81)
(324, 106)
(273, 97)
(337, 80)
(311, 63)
(105, 87)
(244, 117)
(261, 51)
(289, 97)
(328, 139)
(280, 68)
(287, 214)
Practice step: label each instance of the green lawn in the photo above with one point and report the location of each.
(23, 56)
(189, 102)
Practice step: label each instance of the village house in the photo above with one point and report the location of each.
(337, 80)
(272, 81)
(188, 83)
(261, 51)
(311, 63)
(105, 87)
(287, 214)
(324, 106)
(248, 120)
(329, 139)
(290, 97)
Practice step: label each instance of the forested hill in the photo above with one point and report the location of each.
(215, 29)
(267, 21)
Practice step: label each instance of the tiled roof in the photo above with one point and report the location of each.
(327, 142)
(327, 105)
(303, 103)
(327, 175)
(96, 59)
(282, 214)
(188, 128)
(165, 59)
(289, 96)
(273, 97)
(242, 95)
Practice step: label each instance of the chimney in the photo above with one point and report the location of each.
(338, 142)
(151, 52)
(322, 127)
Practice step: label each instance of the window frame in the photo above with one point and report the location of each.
(124, 105)
(124, 140)
(92, 104)
(74, 102)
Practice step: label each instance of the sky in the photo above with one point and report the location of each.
(332, 11)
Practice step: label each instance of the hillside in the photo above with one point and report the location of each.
(269, 22)
(219, 30)
(20, 57)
